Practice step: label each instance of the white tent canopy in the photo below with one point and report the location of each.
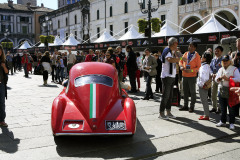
(105, 37)
(42, 45)
(212, 25)
(25, 45)
(71, 41)
(166, 30)
(57, 42)
(131, 34)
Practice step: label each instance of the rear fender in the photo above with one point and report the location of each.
(58, 108)
(130, 112)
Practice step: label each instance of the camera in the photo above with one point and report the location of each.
(188, 67)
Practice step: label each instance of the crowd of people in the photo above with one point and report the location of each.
(176, 74)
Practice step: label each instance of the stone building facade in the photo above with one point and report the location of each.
(115, 15)
(71, 19)
(20, 21)
(194, 10)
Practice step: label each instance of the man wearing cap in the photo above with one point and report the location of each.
(189, 72)
(223, 77)
(215, 65)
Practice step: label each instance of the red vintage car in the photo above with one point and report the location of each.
(93, 103)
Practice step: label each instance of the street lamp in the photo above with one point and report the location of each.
(46, 23)
(6, 34)
(149, 12)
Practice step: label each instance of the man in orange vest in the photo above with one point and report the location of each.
(189, 72)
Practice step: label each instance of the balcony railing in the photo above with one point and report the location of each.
(20, 35)
(222, 3)
(192, 7)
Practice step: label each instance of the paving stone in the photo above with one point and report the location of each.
(29, 135)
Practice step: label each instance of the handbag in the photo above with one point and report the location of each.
(233, 99)
(208, 84)
(224, 92)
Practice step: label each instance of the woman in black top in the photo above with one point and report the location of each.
(132, 68)
(46, 64)
(3, 90)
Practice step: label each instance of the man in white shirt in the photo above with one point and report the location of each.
(168, 77)
(71, 59)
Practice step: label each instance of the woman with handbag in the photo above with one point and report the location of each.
(47, 67)
(204, 83)
(223, 77)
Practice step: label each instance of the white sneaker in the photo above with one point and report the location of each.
(170, 115)
(232, 127)
(162, 116)
(220, 124)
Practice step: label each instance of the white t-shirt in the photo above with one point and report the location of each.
(166, 68)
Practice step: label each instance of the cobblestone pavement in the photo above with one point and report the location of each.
(29, 133)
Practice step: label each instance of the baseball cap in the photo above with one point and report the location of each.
(226, 58)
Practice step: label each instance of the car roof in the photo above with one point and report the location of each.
(87, 68)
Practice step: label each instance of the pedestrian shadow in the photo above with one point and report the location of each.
(9, 88)
(8, 143)
(213, 116)
(49, 85)
(137, 95)
(106, 147)
(212, 131)
(28, 77)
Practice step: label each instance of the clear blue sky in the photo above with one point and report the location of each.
(53, 4)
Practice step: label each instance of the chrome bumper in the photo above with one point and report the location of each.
(92, 134)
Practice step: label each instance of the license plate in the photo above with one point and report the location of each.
(115, 125)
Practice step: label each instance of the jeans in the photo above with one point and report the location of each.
(65, 72)
(53, 69)
(148, 86)
(59, 74)
(189, 85)
(2, 102)
(224, 105)
(25, 70)
(167, 91)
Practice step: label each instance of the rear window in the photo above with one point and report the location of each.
(93, 79)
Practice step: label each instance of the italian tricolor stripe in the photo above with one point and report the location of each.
(92, 101)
